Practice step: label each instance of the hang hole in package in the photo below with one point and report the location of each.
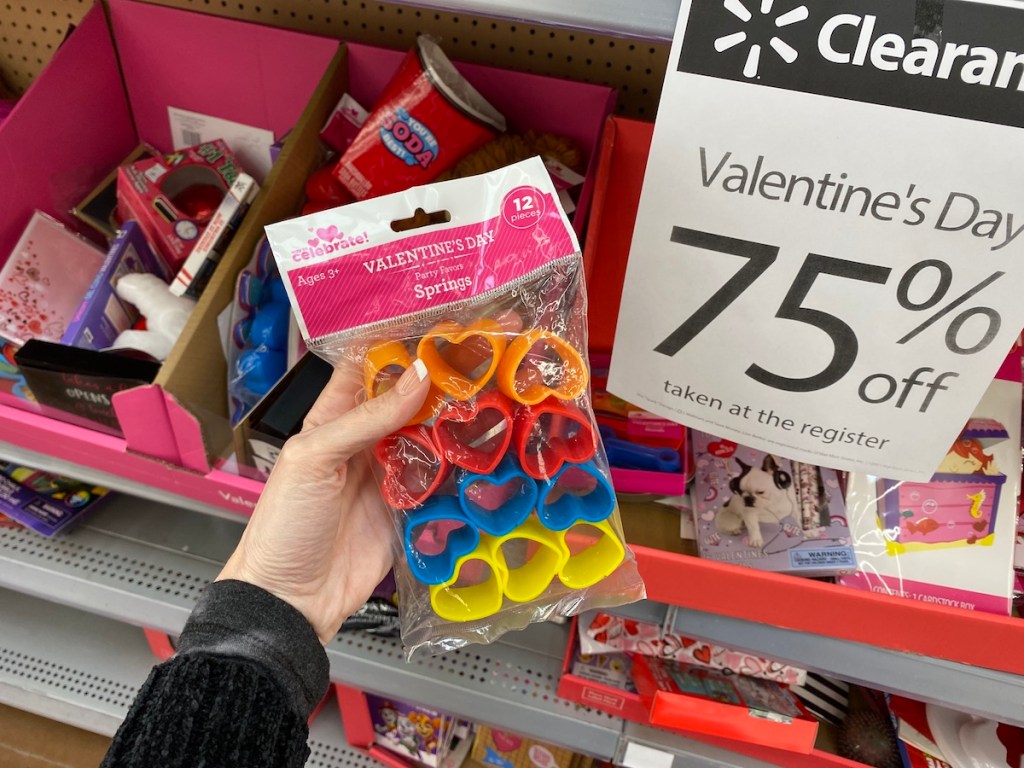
(499, 487)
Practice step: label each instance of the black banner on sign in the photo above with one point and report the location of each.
(959, 58)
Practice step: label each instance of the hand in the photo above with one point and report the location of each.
(321, 537)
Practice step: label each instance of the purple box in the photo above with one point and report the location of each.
(417, 733)
(46, 503)
(102, 315)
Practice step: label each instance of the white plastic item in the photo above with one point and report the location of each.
(165, 313)
(945, 725)
(982, 745)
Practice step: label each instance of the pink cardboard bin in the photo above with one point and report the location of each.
(576, 111)
(68, 131)
(242, 72)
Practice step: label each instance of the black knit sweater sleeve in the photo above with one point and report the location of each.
(248, 672)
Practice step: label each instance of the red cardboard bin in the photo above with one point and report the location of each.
(619, 179)
(978, 639)
(629, 705)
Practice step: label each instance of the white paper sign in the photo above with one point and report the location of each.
(828, 259)
(249, 144)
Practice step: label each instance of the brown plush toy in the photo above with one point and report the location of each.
(510, 148)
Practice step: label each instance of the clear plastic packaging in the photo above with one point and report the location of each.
(500, 489)
(950, 540)
(257, 351)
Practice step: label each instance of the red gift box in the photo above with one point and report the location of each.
(684, 696)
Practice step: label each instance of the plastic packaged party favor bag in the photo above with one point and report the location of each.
(499, 486)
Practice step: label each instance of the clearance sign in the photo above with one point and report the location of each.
(828, 259)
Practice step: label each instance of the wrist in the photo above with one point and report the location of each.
(238, 619)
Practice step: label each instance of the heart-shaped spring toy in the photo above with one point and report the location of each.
(577, 493)
(500, 501)
(413, 467)
(595, 552)
(474, 434)
(538, 364)
(384, 363)
(462, 359)
(531, 556)
(474, 601)
(549, 434)
(436, 535)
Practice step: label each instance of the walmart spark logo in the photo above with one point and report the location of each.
(785, 51)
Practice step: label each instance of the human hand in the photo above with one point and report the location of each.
(320, 537)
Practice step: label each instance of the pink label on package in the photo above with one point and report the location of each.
(646, 424)
(927, 593)
(424, 271)
(414, 251)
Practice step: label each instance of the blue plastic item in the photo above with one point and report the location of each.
(510, 513)
(571, 508)
(460, 540)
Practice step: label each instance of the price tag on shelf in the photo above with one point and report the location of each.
(828, 258)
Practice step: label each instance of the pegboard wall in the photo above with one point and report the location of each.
(30, 30)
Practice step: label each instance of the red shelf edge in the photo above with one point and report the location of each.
(790, 602)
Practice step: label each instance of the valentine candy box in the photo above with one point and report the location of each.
(174, 196)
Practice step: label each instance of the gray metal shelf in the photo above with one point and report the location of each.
(644, 747)
(69, 666)
(984, 692)
(47, 463)
(84, 670)
(644, 19)
(146, 564)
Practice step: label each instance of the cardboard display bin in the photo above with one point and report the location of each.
(68, 131)
(248, 73)
(575, 111)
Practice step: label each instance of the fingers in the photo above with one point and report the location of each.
(337, 398)
(333, 442)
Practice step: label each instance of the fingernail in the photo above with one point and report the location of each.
(413, 375)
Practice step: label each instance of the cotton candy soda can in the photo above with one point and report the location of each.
(428, 118)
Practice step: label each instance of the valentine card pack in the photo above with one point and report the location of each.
(764, 511)
(501, 494)
(949, 540)
(606, 632)
(44, 280)
(414, 732)
(45, 502)
(709, 701)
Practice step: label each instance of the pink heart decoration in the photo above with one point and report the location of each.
(329, 233)
(506, 742)
(313, 243)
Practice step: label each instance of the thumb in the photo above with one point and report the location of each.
(338, 440)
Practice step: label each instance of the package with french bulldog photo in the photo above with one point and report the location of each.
(765, 511)
(499, 487)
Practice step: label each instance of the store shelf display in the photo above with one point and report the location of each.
(89, 677)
